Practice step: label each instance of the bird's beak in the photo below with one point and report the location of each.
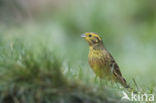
(83, 35)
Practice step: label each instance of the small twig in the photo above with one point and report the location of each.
(135, 83)
(129, 83)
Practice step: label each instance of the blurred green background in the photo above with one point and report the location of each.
(128, 29)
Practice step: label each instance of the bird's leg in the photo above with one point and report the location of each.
(117, 85)
(112, 82)
(95, 79)
(101, 82)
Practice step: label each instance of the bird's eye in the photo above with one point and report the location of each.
(90, 35)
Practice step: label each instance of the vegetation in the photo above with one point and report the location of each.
(33, 74)
(44, 60)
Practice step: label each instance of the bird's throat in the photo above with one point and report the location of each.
(98, 46)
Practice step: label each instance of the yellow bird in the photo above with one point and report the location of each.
(101, 61)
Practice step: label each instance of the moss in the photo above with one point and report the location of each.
(34, 76)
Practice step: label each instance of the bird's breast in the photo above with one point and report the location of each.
(98, 62)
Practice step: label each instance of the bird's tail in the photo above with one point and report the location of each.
(123, 82)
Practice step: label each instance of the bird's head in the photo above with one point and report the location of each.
(92, 38)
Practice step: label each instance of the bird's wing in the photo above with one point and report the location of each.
(114, 66)
(116, 71)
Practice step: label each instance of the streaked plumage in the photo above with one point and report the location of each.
(101, 61)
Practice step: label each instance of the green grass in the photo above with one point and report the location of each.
(39, 65)
(44, 60)
(32, 74)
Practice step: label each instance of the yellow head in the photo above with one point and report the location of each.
(92, 38)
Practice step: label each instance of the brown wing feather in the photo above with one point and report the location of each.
(116, 67)
(116, 71)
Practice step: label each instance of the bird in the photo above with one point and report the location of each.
(101, 61)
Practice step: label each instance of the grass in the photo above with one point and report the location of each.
(44, 60)
(40, 66)
(33, 75)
